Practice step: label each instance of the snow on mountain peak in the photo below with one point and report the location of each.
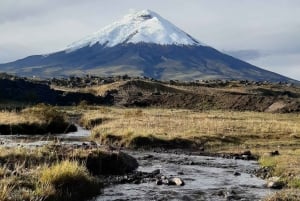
(143, 26)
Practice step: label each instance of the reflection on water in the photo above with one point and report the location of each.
(39, 140)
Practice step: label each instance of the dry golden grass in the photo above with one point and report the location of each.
(62, 172)
(16, 118)
(66, 176)
(67, 89)
(40, 119)
(98, 90)
(5, 191)
(250, 128)
(38, 114)
(45, 174)
(101, 89)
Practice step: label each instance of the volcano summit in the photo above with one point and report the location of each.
(141, 44)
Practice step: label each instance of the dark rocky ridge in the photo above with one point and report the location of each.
(145, 92)
(28, 92)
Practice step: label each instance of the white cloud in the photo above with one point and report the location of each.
(31, 27)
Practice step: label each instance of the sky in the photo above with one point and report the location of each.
(262, 32)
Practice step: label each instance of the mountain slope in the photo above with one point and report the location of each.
(141, 44)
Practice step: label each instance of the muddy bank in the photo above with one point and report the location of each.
(35, 128)
(151, 142)
(148, 142)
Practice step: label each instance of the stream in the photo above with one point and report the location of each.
(205, 178)
(77, 137)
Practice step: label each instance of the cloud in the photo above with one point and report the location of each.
(255, 27)
(16, 10)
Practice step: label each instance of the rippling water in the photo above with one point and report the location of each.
(210, 178)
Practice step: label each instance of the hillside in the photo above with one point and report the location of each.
(19, 92)
(143, 92)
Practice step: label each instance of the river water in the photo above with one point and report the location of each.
(77, 137)
(206, 178)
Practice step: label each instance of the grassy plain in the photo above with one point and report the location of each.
(216, 130)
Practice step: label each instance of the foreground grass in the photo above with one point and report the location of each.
(41, 174)
(67, 176)
(55, 173)
(216, 131)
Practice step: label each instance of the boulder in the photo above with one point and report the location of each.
(275, 183)
(176, 181)
(107, 163)
(274, 153)
(155, 172)
(159, 182)
(236, 173)
(166, 182)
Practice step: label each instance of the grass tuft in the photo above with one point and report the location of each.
(67, 180)
(63, 173)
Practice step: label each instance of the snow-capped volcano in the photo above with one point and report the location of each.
(141, 44)
(143, 26)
